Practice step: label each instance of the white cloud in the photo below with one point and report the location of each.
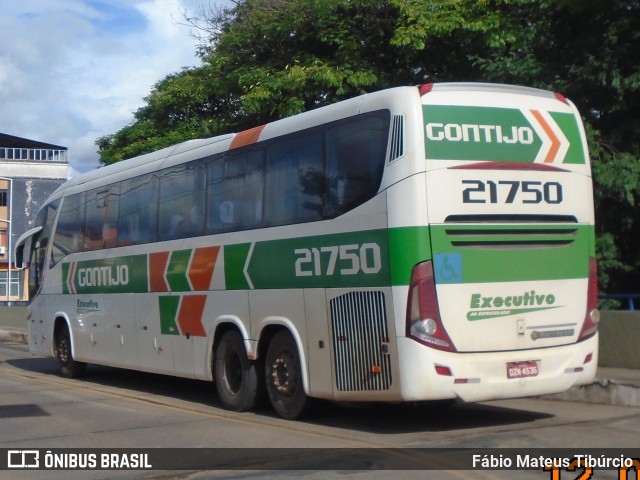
(74, 70)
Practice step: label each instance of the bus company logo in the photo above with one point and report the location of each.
(99, 276)
(454, 132)
(104, 276)
(484, 306)
(23, 459)
(498, 134)
(87, 306)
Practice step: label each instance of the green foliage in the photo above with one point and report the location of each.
(181, 107)
(267, 59)
(617, 200)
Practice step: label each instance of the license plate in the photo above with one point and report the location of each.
(522, 369)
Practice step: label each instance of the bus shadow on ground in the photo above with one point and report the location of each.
(422, 417)
(377, 418)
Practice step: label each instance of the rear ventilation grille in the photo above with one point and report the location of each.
(511, 219)
(361, 341)
(501, 231)
(397, 138)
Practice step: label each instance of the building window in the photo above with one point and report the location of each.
(3, 198)
(14, 284)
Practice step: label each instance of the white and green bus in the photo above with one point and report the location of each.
(418, 243)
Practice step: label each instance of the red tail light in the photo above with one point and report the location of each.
(423, 315)
(592, 316)
(425, 88)
(561, 97)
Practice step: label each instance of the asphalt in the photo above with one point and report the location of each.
(612, 386)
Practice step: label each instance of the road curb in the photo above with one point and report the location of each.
(604, 390)
(11, 335)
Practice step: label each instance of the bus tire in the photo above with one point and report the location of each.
(238, 380)
(283, 376)
(69, 367)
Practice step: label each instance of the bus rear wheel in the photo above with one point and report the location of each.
(283, 375)
(238, 380)
(69, 367)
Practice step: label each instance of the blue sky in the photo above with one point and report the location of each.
(74, 70)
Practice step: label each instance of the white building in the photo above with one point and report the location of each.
(29, 172)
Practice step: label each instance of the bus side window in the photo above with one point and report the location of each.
(137, 210)
(254, 188)
(356, 151)
(295, 183)
(234, 191)
(101, 210)
(69, 236)
(181, 190)
(109, 235)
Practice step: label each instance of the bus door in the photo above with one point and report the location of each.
(30, 254)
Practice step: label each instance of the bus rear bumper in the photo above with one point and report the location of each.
(473, 377)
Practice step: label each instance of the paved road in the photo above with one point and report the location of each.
(115, 408)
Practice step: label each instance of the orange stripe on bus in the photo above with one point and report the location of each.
(247, 137)
(157, 267)
(555, 142)
(202, 265)
(190, 315)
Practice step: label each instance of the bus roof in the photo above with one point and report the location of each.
(146, 162)
(487, 88)
(192, 149)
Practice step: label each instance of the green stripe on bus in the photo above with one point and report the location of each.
(371, 258)
(567, 123)
(110, 275)
(235, 257)
(177, 271)
(168, 306)
(478, 254)
(407, 246)
(499, 134)
(65, 278)
(353, 259)
(479, 133)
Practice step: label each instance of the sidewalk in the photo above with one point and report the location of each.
(13, 335)
(612, 386)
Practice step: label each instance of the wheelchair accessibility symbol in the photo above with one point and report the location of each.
(448, 268)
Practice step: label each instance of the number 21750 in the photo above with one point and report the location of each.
(341, 259)
(511, 191)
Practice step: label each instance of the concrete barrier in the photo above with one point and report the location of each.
(14, 317)
(619, 335)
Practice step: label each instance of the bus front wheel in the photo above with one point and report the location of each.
(69, 367)
(238, 380)
(283, 375)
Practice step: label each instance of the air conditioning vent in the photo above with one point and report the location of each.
(397, 138)
(503, 231)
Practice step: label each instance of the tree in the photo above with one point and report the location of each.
(267, 59)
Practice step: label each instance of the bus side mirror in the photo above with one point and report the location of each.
(18, 257)
(25, 239)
